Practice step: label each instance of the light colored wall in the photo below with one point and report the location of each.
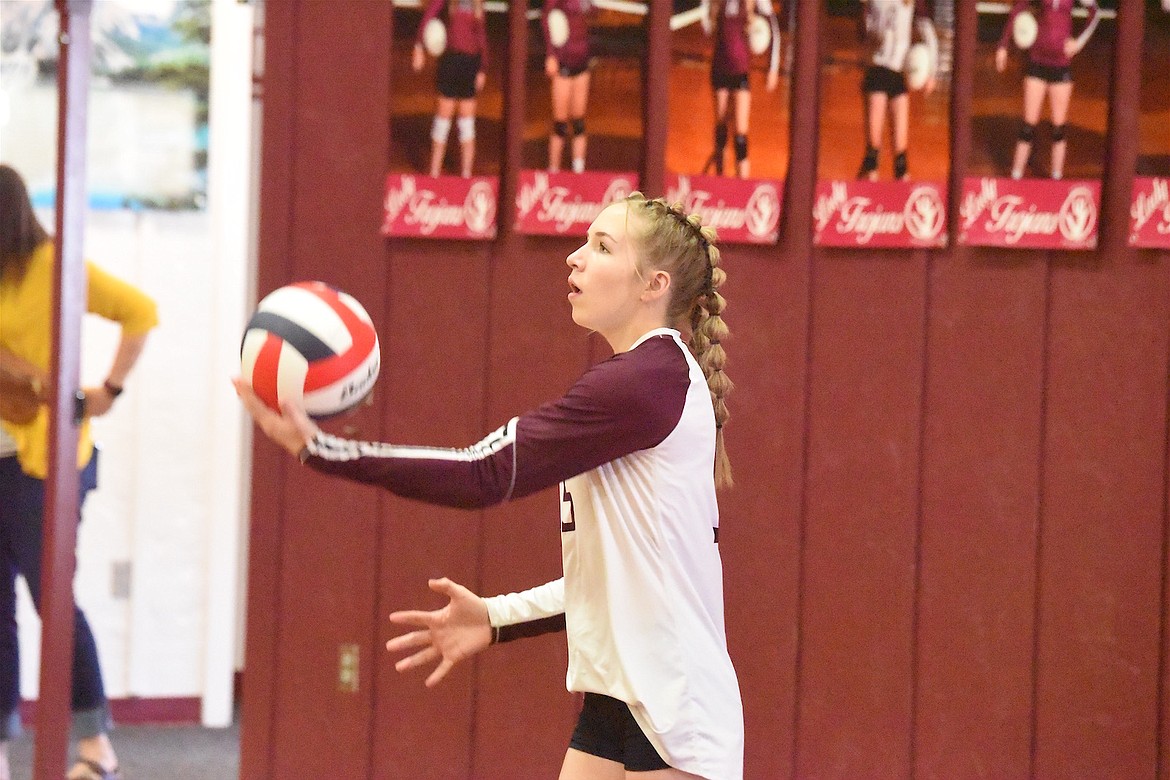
(174, 469)
(152, 507)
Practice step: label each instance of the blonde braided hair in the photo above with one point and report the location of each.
(681, 245)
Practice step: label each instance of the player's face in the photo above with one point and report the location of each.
(604, 287)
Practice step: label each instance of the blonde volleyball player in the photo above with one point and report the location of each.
(729, 22)
(636, 445)
(567, 67)
(887, 28)
(1048, 72)
(459, 77)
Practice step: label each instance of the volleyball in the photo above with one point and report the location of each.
(558, 28)
(759, 35)
(313, 346)
(1025, 29)
(917, 66)
(434, 37)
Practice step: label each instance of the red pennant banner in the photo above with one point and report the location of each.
(1030, 213)
(440, 206)
(743, 211)
(564, 204)
(1150, 213)
(882, 214)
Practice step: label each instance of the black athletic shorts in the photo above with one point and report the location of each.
(879, 79)
(731, 81)
(1053, 74)
(567, 69)
(455, 74)
(607, 729)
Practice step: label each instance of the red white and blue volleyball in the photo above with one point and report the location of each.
(311, 345)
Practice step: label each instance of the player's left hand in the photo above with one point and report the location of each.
(480, 80)
(1071, 47)
(929, 86)
(773, 80)
(448, 635)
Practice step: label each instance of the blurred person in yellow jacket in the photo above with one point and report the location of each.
(26, 341)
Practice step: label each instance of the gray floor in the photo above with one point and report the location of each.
(159, 753)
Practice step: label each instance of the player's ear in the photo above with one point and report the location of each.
(657, 286)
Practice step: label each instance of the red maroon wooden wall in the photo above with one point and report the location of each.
(946, 551)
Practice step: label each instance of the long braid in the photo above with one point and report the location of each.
(708, 331)
(681, 245)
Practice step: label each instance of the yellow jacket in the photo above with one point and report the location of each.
(26, 310)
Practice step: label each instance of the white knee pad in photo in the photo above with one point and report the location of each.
(466, 128)
(441, 129)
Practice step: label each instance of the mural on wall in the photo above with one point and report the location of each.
(583, 129)
(1039, 123)
(446, 117)
(727, 148)
(1150, 213)
(885, 132)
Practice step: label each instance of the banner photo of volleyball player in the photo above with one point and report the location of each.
(727, 133)
(445, 123)
(885, 123)
(577, 48)
(1039, 114)
(1150, 212)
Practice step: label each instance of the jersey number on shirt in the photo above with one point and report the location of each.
(568, 516)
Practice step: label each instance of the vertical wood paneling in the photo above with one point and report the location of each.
(980, 476)
(434, 347)
(1101, 532)
(862, 515)
(329, 549)
(269, 466)
(945, 553)
(759, 539)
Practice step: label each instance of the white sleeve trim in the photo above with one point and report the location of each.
(542, 601)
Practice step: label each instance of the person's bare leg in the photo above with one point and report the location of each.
(584, 766)
(662, 774)
(1033, 101)
(900, 124)
(1059, 97)
(467, 147)
(444, 110)
(559, 87)
(875, 120)
(743, 113)
(721, 102)
(578, 101)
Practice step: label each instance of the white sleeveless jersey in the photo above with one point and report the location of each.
(890, 26)
(632, 444)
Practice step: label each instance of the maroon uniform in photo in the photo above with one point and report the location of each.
(573, 57)
(466, 33)
(732, 55)
(1054, 20)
